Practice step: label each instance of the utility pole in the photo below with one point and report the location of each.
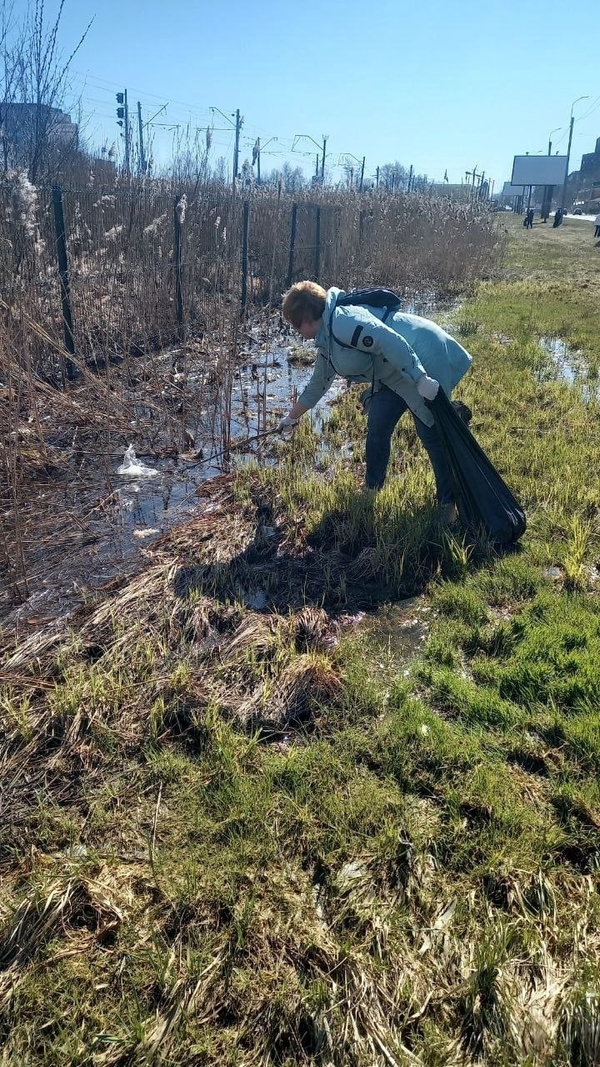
(323, 161)
(123, 120)
(141, 139)
(236, 152)
(307, 137)
(345, 158)
(256, 150)
(563, 198)
(239, 122)
(473, 175)
(548, 189)
(377, 178)
(256, 155)
(571, 124)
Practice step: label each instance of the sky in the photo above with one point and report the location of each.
(442, 85)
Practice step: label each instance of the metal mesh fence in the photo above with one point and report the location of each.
(146, 263)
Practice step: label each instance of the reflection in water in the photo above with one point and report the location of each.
(572, 367)
(95, 527)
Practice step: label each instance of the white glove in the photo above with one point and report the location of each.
(427, 387)
(286, 423)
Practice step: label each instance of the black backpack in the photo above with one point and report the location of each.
(374, 297)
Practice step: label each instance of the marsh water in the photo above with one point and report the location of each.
(81, 532)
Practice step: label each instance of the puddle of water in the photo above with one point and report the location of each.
(571, 367)
(399, 632)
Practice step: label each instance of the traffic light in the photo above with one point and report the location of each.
(120, 98)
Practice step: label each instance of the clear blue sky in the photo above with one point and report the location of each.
(441, 84)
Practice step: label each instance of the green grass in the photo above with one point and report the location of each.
(299, 837)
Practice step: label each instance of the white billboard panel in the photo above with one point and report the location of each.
(539, 170)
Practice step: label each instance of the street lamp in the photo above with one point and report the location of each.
(557, 130)
(548, 189)
(571, 122)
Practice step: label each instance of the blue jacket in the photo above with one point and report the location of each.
(354, 343)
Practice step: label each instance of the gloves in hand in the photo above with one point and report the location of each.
(427, 387)
(286, 423)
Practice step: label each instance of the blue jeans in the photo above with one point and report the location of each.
(384, 409)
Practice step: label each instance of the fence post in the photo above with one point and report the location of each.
(318, 244)
(290, 273)
(245, 236)
(63, 270)
(177, 210)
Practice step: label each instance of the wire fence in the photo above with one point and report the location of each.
(145, 265)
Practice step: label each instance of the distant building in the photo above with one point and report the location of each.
(22, 124)
(589, 172)
(583, 183)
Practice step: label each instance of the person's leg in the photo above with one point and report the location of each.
(434, 447)
(384, 410)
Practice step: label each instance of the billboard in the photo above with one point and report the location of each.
(539, 170)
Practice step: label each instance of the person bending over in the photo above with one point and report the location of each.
(404, 358)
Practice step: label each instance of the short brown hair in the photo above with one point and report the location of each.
(304, 300)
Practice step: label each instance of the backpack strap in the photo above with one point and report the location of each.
(353, 340)
(344, 302)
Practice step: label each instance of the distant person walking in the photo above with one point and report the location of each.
(597, 225)
(528, 220)
(558, 217)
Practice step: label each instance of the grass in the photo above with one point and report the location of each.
(297, 836)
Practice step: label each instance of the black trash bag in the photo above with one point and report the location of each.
(483, 498)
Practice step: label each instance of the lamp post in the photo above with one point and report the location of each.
(571, 123)
(548, 189)
(557, 130)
